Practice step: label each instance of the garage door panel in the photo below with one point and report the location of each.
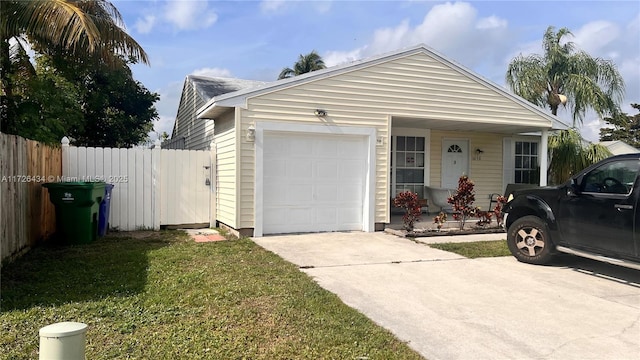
(350, 150)
(274, 168)
(350, 193)
(327, 216)
(299, 168)
(298, 147)
(315, 182)
(327, 193)
(351, 170)
(298, 193)
(327, 170)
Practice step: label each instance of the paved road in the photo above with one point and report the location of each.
(449, 307)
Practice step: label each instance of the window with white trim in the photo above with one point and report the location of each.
(527, 168)
(407, 162)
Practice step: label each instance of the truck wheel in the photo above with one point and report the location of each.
(528, 240)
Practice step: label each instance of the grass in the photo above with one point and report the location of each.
(159, 295)
(476, 249)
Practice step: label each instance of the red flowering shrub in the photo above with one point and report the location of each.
(408, 201)
(440, 219)
(498, 209)
(463, 200)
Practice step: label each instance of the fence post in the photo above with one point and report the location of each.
(65, 156)
(156, 192)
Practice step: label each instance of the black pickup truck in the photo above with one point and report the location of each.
(594, 215)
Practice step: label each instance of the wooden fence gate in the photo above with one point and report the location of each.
(152, 187)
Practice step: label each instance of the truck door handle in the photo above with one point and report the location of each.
(623, 207)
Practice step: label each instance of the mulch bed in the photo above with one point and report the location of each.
(453, 232)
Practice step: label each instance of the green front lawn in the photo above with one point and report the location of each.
(158, 295)
(476, 249)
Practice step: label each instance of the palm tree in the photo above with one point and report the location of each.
(565, 75)
(81, 27)
(569, 154)
(306, 63)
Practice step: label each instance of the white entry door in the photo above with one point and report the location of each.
(455, 162)
(313, 182)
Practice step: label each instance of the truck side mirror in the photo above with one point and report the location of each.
(573, 188)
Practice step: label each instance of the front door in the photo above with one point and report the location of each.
(455, 162)
(600, 217)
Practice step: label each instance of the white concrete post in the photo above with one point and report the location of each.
(544, 153)
(63, 341)
(66, 162)
(156, 192)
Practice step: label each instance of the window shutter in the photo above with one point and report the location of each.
(508, 162)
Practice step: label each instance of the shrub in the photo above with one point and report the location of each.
(463, 200)
(440, 219)
(408, 201)
(498, 209)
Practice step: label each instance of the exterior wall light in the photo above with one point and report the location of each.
(320, 113)
(251, 133)
(478, 154)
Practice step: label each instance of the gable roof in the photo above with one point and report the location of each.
(209, 87)
(618, 147)
(219, 104)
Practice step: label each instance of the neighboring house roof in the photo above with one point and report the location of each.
(220, 103)
(618, 147)
(209, 87)
(206, 88)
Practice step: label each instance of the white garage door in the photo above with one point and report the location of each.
(313, 182)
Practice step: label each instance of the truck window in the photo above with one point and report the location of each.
(616, 177)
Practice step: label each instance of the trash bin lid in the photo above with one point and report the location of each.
(63, 329)
(74, 185)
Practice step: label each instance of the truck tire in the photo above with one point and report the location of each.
(529, 240)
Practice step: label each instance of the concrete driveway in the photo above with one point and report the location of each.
(449, 307)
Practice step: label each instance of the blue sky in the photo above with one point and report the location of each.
(256, 39)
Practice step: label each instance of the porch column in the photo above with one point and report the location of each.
(544, 152)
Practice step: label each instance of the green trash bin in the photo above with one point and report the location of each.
(77, 207)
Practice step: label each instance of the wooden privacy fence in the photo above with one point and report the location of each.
(26, 214)
(152, 187)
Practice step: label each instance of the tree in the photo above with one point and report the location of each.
(306, 63)
(79, 26)
(569, 154)
(113, 109)
(625, 128)
(561, 76)
(564, 75)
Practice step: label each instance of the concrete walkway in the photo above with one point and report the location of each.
(449, 307)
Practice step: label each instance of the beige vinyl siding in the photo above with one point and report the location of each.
(415, 86)
(198, 133)
(485, 172)
(225, 139)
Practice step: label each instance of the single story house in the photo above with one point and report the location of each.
(618, 147)
(188, 132)
(328, 150)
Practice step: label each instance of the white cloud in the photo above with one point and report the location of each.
(450, 28)
(332, 58)
(164, 124)
(145, 25)
(594, 36)
(212, 72)
(491, 22)
(189, 15)
(181, 14)
(272, 5)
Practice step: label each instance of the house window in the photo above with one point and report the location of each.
(526, 163)
(408, 158)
